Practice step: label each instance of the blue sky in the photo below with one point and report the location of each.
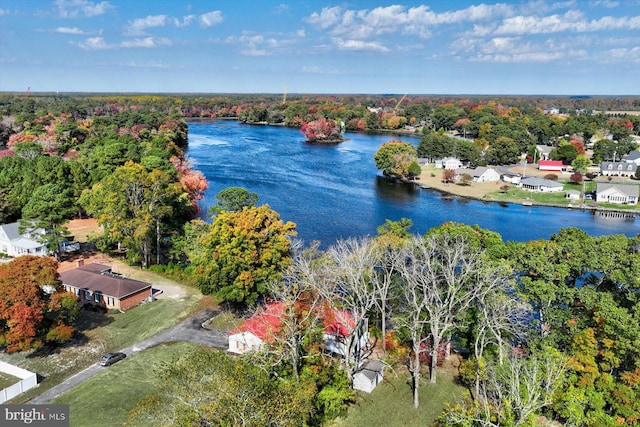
(431, 47)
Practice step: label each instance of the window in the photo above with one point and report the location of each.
(110, 301)
(87, 295)
(96, 296)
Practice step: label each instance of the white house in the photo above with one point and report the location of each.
(448, 163)
(368, 376)
(513, 178)
(480, 174)
(632, 157)
(618, 168)
(539, 184)
(544, 151)
(15, 244)
(617, 193)
(572, 195)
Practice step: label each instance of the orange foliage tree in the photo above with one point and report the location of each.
(34, 308)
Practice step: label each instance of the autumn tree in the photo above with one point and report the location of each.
(34, 309)
(241, 253)
(322, 131)
(393, 158)
(131, 204)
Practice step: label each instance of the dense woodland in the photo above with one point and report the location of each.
(548, 329)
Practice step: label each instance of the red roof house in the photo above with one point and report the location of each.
(551, 165)
(263, 325)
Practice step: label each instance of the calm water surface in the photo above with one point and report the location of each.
(333, 192)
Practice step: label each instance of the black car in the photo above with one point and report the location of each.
(111, 358)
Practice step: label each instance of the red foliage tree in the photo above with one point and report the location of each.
(322, 130)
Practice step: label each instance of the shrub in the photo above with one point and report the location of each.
(551, 176)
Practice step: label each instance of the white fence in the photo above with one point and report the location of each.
(28, 380)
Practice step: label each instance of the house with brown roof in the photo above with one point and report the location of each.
(97, 284)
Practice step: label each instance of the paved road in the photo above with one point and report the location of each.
(190, 330)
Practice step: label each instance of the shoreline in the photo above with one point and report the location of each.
(530, 203)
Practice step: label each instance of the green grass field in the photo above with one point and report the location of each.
(391, 403)
(107, 399)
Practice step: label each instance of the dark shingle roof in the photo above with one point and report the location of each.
(99, 278)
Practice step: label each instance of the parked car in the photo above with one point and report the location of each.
(111, 358)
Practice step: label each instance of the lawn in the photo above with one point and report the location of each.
(99, 333)
(7, 380)
(391, 403)
(107, 398)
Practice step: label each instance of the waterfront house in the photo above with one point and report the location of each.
(617, 193)
(541, 185)
(479, 174)
(13, 243)
(98, 285)
(511, 177)
(448, 163)
(618, 168)
(572, 194)
(551, 165)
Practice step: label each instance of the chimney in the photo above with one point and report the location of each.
(80, 262)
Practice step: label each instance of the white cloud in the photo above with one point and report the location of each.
(93, 43)
(318, 70)
(364, 23)
(605, 3)
(137, 26)
(212, 18)
(359, 45)
(156, 64)
(67, 30)
(4, 12)
(623, 55)
(328, 17)
(186, 21)
(147, 42)
(541, 25)
(281, 8)
(81, 8)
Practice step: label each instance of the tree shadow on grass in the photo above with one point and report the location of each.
(90, 317)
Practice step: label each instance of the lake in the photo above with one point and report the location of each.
(334, 192)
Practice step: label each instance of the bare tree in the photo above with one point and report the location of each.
(348, 270)
(299, 322)
(385, 275)
(514, 392)
(414, 321)
(444, 269)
